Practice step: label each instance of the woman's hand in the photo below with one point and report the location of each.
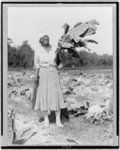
(58, 50)
(60, 66)
(36, 79)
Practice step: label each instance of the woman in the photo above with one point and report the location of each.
(49, 95)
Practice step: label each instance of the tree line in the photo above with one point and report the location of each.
(23, 56)
(87, 59)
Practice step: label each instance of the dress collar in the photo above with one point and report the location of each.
(44, 51)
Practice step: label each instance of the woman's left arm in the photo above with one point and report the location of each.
(57, 57)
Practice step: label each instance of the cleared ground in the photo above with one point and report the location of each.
(80, 87)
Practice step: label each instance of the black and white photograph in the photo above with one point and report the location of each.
(59, 70)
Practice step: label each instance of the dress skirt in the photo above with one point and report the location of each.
(49, 95)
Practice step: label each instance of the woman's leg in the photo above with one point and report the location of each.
(46, 119)
(58, 121)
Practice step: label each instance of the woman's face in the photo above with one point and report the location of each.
(44, 40)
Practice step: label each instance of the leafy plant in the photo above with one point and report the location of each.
(74, 37)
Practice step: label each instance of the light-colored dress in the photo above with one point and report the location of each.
(49, 95)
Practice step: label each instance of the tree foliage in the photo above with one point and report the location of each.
(21, 56)
(87, 59)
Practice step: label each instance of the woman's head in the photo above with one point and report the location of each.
(44, 40)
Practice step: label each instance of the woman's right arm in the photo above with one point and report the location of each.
(37, 68)
(36, 77)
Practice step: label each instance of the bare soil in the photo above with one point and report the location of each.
(79, 87)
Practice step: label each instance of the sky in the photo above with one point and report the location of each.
(29, 23)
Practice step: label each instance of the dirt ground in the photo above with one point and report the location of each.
(80, 87)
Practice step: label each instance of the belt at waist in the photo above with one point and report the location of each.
(51, 67)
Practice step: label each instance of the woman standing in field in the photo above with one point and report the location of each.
(49, 95)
